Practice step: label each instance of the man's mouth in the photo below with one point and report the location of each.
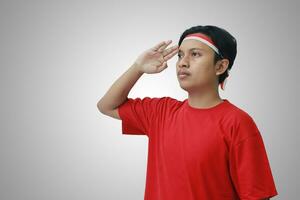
(183, 74)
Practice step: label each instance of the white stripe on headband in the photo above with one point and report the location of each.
(202, 40)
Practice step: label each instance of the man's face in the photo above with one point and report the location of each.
(197, 59)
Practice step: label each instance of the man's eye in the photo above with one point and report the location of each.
(195, 53)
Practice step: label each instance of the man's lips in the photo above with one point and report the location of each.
(183, 72)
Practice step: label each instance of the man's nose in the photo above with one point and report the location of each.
(183, 62)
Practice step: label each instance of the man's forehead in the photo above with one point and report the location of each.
(192, 44)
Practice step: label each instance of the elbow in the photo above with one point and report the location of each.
(104, 109)
(100, 107)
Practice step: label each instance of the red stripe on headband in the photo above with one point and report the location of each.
(202, 36)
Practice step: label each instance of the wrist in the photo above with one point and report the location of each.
(137, 68)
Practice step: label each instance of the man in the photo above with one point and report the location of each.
(202, 148)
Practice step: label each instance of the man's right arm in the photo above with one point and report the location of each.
(153, 60)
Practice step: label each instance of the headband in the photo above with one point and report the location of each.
(206, 40)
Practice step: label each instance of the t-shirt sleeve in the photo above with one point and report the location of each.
(137, 114)
(249, 165)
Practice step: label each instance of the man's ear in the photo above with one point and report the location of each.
(221, 66)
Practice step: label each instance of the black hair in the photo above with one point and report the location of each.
(222, 39)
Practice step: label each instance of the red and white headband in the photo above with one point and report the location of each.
(203, 38)
(206, 40)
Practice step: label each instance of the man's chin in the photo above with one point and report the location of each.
(185, 87)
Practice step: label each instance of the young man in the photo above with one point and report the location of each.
(201, 148)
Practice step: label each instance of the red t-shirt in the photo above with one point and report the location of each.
(212, 153)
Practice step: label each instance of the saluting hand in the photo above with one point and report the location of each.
(154, 60)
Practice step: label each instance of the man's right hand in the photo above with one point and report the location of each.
(154, 60)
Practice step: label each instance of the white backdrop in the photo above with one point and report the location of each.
(58, 58)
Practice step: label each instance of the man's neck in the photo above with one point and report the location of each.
(204, 100)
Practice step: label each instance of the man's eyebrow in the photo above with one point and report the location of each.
(192, 49)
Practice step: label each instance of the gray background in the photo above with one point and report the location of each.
(58, 58)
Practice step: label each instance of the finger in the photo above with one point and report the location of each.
(170, 50)
(170, 55)
(164, 46)
(163, 66)
(161, 49)
(156, 47)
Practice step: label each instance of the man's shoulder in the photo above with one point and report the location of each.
(167, 105)
(163, 99)
(237, 113)
(157, 102)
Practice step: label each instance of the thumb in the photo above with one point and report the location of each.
(164, 66)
